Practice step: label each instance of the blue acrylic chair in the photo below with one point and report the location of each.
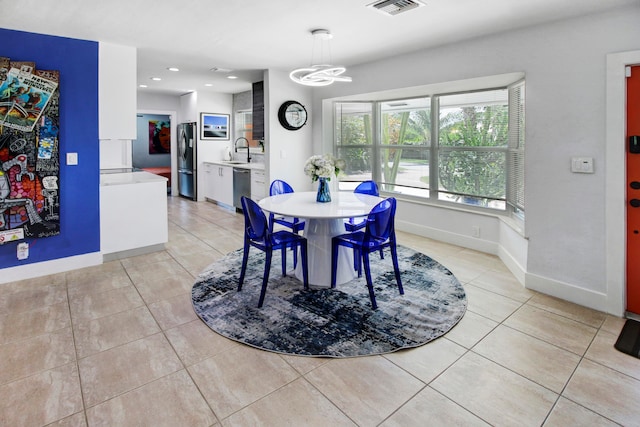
(279, 186)
(379, 233)
(365, 187)
(258, 235)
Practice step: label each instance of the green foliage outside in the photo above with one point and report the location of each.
(462, 171)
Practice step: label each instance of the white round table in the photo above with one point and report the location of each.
(322, 222)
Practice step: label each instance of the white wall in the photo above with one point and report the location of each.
(286, 150)
(564, 63)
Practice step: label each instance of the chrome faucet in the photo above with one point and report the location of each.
(235, 147)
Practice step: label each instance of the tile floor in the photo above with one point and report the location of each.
(120, 345)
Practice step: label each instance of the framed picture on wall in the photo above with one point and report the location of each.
(214, 126)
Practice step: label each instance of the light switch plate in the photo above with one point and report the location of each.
(72, 159)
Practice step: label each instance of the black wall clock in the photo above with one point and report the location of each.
(292, 115)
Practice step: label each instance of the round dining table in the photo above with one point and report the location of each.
(322, 222)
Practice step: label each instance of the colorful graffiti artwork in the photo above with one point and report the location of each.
(29, 151)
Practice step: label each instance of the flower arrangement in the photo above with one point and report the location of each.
(323, 166)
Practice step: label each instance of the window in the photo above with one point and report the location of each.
(465, 148)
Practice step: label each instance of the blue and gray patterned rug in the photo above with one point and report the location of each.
(330, 322)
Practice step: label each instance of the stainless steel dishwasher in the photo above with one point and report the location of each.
(241, 185)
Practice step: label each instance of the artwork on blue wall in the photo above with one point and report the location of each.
(29, 151)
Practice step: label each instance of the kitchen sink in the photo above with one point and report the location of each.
(235, 162)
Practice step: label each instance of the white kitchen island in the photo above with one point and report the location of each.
(133, 213)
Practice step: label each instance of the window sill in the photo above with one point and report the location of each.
(514, 224)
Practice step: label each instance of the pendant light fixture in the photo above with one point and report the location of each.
(320, 74)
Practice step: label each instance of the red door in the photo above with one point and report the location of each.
(633, 190)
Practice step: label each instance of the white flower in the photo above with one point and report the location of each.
(323, 166)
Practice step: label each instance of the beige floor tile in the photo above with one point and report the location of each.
(366, 389)
(465, 271)
(110, 331)
(173, 311)
(33, 284)
(195, 341)
(431, 408)
(93, 306)
(32, 298)
(495, 394)
(573, 311)
(605, 391)
(41, 398)
(187, 246)
(28, 324)
(503, 283)
(99, 283)
(150, 258)
(429, 360)
(613, 324)
(234, 379)
(470, 329)
(20, 359)
(84, 274)
(482, 259)
(552, 328)
(156, 271)
(566, 413)
(489, 304)
(304, 364)
(170, 401)
(120, 369)
(296, 404)
(75, 420)
(602, 351)
(196, 263)
(530, 357)
(163, 287)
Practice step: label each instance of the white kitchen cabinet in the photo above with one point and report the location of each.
(221, 183)
(258, 184)
(133, 212)
(117, 92)
(207, 185)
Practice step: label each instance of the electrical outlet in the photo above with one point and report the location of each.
(23, 250)
(476, 231)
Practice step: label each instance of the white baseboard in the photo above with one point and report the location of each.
(448, 237)
(567, 292)
(38, 269)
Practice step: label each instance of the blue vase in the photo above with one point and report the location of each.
(324, 195)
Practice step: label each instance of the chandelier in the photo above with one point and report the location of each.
(322, 74)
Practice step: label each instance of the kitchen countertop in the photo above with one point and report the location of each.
(235, 164)
(134, 177)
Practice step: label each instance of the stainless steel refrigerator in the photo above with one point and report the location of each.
(187, 160)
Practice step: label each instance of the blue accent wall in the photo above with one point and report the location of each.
(77, 61)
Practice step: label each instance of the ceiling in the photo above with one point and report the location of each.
(244, 37)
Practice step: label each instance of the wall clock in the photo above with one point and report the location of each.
(292, 115)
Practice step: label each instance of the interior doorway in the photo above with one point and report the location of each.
(145, 145)
(633, 189)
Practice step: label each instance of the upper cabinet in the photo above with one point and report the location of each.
(117, 101)
(257, 90)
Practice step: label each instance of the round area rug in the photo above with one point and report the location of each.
(330, 322)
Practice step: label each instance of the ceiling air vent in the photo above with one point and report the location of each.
(394, 7)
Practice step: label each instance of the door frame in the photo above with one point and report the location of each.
(615, 179)
(174, 145)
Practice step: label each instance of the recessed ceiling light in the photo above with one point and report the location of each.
(157, 79)
(173, 69)
(208, 84)
(232, 77)
(142, 86)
